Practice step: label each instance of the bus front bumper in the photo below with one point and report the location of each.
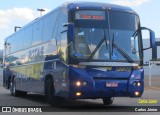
(107, 89)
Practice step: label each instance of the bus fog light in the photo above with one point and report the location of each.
(137, 93)
(78, 93)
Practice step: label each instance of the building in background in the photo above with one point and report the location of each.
(1, 54)
(148, 56)
(1, 57)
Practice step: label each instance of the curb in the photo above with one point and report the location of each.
(153, 88)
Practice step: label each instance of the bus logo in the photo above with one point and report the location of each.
(6, 109)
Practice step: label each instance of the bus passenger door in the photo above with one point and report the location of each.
(62, 65)
(63, 47)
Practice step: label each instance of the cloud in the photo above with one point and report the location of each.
(12, 17)
(15, 15)
(129, 2)
(3, 22)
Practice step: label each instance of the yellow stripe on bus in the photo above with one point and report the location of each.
(32, 71)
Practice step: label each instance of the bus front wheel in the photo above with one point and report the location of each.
(50, 93)
(107, 101)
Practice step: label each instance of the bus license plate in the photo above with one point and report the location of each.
(111, 84)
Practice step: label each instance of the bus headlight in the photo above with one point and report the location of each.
(79, 83)
(138, 84)
(84, 83)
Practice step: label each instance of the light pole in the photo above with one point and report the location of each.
(16, 27)
(41, 10)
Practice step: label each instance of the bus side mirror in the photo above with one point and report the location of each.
(70, 32)
(151, 37)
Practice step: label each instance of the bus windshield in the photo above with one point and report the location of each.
(106, 36)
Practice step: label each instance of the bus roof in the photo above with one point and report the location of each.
(98, 6)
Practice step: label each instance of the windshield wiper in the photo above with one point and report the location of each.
(99, 45)
(120, 50)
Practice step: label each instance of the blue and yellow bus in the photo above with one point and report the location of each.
(80, 50)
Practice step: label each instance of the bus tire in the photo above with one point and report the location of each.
(13, 90)
(108, 101)
(50, 94)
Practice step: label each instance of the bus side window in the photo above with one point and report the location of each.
(49, 26)
(63, 35)
(28, 37)
(7, 46)
(62, 18)
(55, 33)
(19, 40)
(37, 32)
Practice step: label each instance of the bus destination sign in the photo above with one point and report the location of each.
(90, 15)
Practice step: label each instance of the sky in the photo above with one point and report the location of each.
(20, 12)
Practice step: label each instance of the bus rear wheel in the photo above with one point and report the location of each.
(13, 90)
(50, 94)
(108, 101)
